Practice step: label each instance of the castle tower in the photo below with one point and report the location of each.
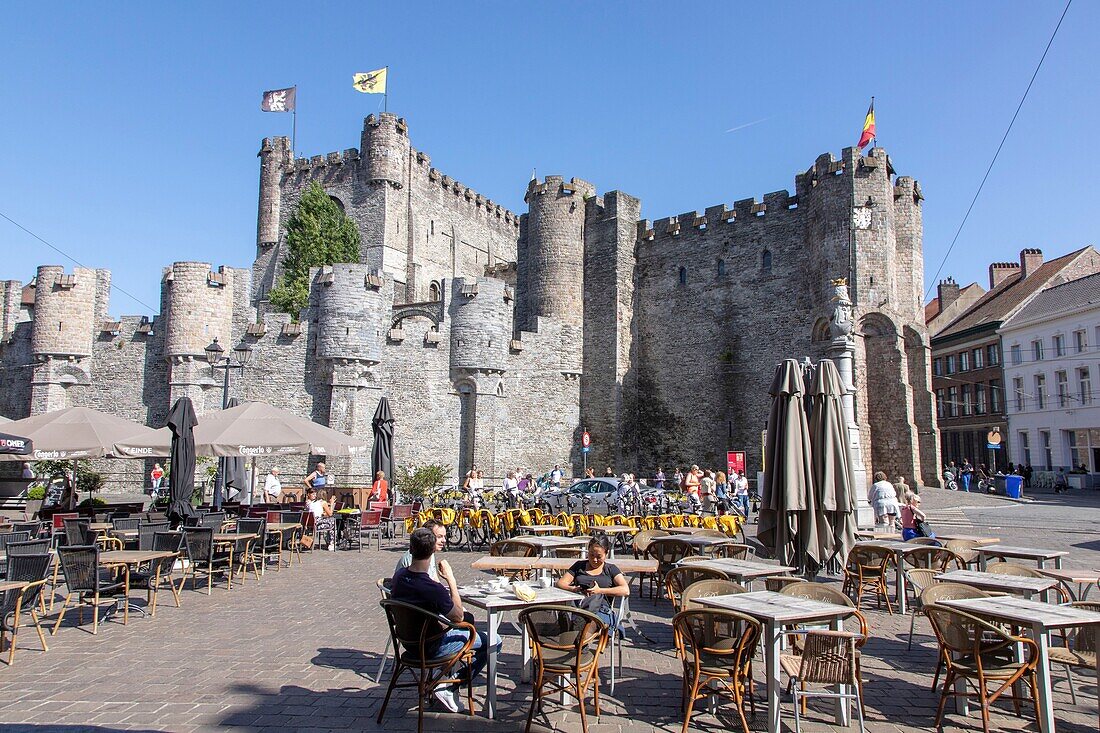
(481, 327)
(65, 312)
(384, 170)
(553, 250)
(275, 161)
(199, 308)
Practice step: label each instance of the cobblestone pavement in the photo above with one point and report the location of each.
(298, 650)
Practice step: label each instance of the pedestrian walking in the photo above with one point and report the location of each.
(884, 500)
(902, 490)
(966, 472)
(273, 487)
(741, 494)
(721, 494)
(156, 476)
(555, 477)
(659, 480)
(706, 490)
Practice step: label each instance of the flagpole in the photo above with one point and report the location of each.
(294, 123)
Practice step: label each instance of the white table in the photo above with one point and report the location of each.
(1014, 584)
(548, 543)
(496, 603)
(1084, 579)
(1041, 618)
(1024, 553)
(776, 610)
(742, 570)
(543, 529)
(899, 550)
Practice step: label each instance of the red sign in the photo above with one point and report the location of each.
(735, 462)
(586, 439)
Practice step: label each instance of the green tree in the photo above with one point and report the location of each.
(319, 233)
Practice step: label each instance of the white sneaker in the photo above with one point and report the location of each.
(446, 698)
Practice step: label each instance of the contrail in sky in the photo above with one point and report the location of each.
(748, 124)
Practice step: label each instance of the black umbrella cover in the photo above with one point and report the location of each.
(181, 481)
(234, 475)
(13, 445)
(381, 457)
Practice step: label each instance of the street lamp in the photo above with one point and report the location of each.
(242, 355)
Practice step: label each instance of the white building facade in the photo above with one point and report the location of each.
(1051, 351)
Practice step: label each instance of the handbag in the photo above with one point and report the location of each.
(306, 541)
(923, 528)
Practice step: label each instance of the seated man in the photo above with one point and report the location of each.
(440, 533)
(413, 585)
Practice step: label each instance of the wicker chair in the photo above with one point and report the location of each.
(776, 583)
(514, 548)
(160, 570)
(639, 544)
(866, 569)
(566, 643)
(9, 538)
(1011, 568)
(667, 551)
(930, 541)
(946, 592)
(126, 523)
(966, 550)
(415, 633)
(146, 532)
(918, 579)
(828, 658)
(937, 558)
(32, 570)
(204, 557)
(1078, 649)
(979, 652)
(731, 551)
(83, 577)
(250, 551)
(29, 547)
(682, 576)
(716, 649)
(707, 589)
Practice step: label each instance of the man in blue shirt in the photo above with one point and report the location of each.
(413, 585)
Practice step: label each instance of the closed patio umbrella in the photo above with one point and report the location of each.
(381, 458)
(232, 475)
(181, 481)
(787, 524)
(832, 464)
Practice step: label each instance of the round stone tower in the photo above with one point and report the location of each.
(274, 157)
(555, 248)
(481, 324)
(64, 312)
(384, 149)
(200, 308)
(353, 306)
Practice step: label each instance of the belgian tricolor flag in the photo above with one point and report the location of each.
(868, 126)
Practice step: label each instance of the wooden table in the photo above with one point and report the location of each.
(742, 570)
(1016, 584)
(542, 529)
(877, 535)
(685, 530)
(6, 585)
(548, 544)
(495, 603)
(1024, 553)
(101, 526)
(702, 543)
(969, 538)
(124, 559)
(1041, 618)
(614, 529)
(506, 564)
(226, 537)
(775, 611)
(1085, 580)
(899, 551)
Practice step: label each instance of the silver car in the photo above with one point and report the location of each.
(587, 496)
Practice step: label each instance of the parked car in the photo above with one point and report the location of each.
(587, 496)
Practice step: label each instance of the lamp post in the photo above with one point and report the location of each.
(215, 356)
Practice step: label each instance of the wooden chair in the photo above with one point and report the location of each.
(866, 569)
(981, 653)
(828, 658)
(716, 650)
(1078, 649)
(415, 634)
(566, 644)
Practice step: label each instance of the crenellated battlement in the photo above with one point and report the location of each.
(389, 121)
(479, 203)
(774, 204)
(558, 184)
(348, 156)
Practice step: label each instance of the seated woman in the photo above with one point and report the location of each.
(323, 520)
(597, 579)
(910, 515)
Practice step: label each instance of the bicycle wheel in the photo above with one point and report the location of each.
(455, 535)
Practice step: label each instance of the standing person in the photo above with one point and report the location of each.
(902, 489)
(910, 515)
(597, 579)
(317, 480)
(706, 490)
(413, 585)
(966, 471)
(323, 521)
(590, 473)
(156, 477)
(28, 472)
(659, 480)
(511, 490)
(691, 487)
(609, 472)
(273, 487)
(721, 494)
(678, 478)
(884, 500)
(741, 494)
(380, 489)
(1027, 475)
(555, 477)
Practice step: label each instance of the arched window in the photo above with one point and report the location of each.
(338, 202)
(766, 261)
(683, 276)
(433, 292)
(721, 268)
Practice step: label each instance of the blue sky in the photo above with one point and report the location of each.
(130, 135)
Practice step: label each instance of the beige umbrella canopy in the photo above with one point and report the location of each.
(75, 433)
(250, 429)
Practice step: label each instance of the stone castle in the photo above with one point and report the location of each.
(499, 337)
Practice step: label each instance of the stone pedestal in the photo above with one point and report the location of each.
(842, 352)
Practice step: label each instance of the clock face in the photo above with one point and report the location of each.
(861, 217)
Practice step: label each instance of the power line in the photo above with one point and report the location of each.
(997, 154)
(77, 263)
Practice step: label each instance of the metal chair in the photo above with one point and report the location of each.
(7, 538)
(1078, 649)
(159, 570)
(566, 644)
(979, 652)
(828, 658)
(83, 577)
(716, 649)
(204, 557)
(415, 634)
(32, 570)
(866, 570)
(682, 576)
(370, 525)
(384, 588)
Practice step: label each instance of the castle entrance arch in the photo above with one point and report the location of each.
(887, 382)
(467, 426)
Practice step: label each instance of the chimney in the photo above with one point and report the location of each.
(1030, 261)
(1001, 271)
(948, 293)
